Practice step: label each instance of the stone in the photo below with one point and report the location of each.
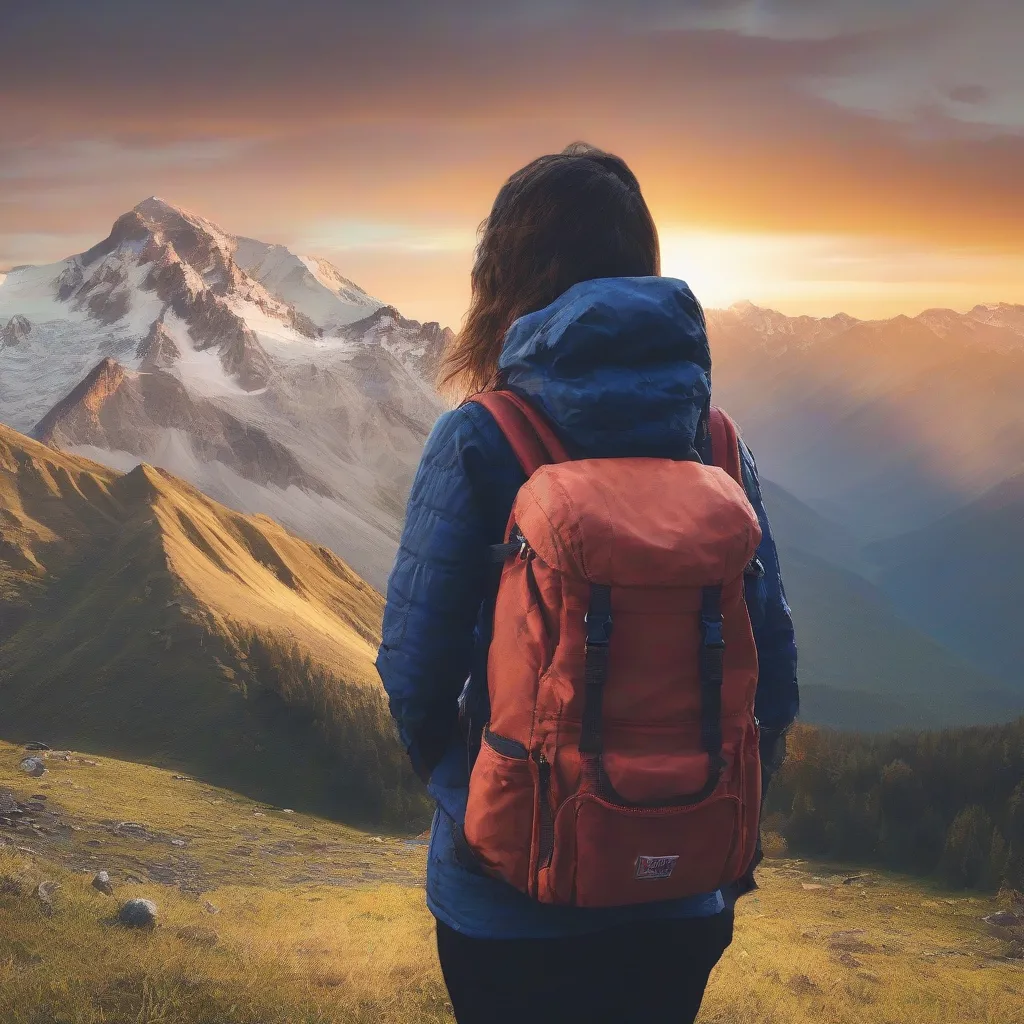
(131, 829)
(8, 805)
(102, 883)
(45, 892)
(178, 842)
(34, 766)
(138, 913)
(36, 745)
(210, 908)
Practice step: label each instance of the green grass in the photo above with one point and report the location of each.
(319, 922)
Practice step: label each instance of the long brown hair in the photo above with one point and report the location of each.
(563, 218)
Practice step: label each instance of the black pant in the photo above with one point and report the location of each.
(634, 974)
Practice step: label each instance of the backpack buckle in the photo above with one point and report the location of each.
(713, 636)
(599, 629)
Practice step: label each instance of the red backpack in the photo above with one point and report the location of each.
(620, 763)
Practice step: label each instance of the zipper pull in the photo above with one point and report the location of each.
(525, 551)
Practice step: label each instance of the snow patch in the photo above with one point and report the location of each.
(201, 370)
(312, 286)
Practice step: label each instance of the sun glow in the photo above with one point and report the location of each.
(825, 274)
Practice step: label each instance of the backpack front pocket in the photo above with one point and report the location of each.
(502, 808)
(623, 855)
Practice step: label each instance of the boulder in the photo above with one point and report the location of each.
(131, 830)
(8, 805)
(138, 913)
(102, 883)
(34, 766)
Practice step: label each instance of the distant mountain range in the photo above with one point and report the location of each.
(962, 579)
(899, 448)
(140, 618)
(265, 378)
(883, 425)
(891, 451)
(864, 663)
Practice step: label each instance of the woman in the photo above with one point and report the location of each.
(573, 222)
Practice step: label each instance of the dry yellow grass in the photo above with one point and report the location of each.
(246, 572)
(141, 619)
(316, 922)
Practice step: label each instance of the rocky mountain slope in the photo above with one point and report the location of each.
(140, 618)
(265, 378)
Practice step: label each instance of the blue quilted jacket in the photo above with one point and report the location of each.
(621, 366)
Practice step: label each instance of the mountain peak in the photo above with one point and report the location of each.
(155, 206)
(90, 395)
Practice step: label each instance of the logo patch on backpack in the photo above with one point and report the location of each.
(655, 867)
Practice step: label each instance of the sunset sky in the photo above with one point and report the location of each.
(811, 155)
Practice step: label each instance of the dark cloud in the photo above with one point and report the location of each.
(970, 94)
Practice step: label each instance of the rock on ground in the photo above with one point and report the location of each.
(45, 893)
(138, 913)
(102, 883)
(34, 766)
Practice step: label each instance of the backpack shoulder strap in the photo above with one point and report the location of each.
(527, 430)
(725, 444)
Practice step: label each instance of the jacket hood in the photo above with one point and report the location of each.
(621, 365)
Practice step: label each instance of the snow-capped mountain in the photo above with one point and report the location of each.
(265, 378)
(312, 285)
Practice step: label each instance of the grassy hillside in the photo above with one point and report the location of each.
(274, 918)
(144, 620)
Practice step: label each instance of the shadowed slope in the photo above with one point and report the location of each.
(144, 619)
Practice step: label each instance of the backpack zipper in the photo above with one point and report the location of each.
(547, 821)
